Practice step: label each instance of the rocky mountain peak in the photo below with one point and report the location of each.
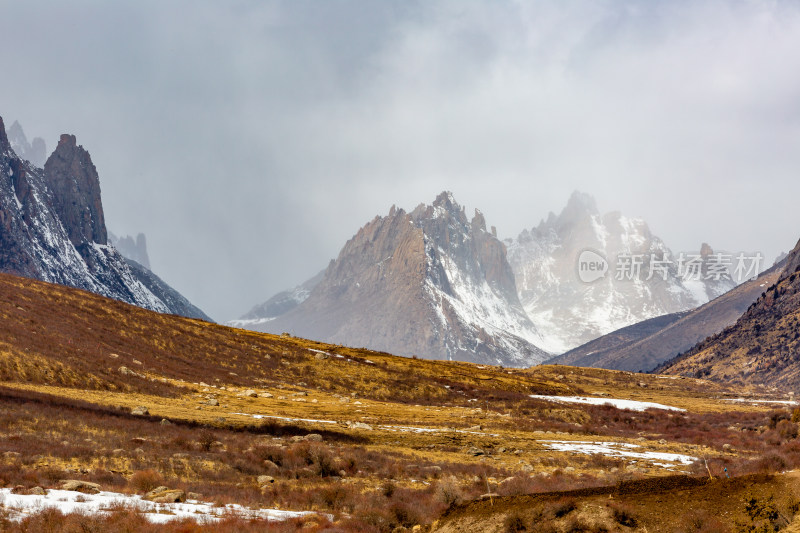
(579, 205)
(4, 144)
(35, 152)
(478, 221)
(73, 179)
(430, 282)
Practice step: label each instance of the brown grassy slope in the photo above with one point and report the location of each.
(62, 336)
(65, 412)
(762, 347)
(666, 505)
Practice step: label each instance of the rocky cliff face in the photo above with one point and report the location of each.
(72, 178)
(52, 226)
(430, 282)
(570, 312)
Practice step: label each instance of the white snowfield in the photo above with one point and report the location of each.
(748, 400)
(619, 449)
(632, 405)
(104, 502)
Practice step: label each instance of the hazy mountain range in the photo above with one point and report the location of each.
(436, 284)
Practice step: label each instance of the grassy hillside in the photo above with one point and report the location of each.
(367, 441)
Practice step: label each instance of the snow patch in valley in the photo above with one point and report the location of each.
(287, 419)
(619, 449)
(632, 405)
(746, 400)
(104, 502)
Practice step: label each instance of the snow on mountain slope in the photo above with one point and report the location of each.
(52, 226)
(430, 283)
(569, 312)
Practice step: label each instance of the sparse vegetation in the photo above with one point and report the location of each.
(376, 441)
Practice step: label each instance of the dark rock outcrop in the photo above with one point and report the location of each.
(52, 228)
(72, 178)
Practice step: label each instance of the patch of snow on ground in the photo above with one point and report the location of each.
(70, 501)
(618, 449)
(633, 405)
(746, 400)
(287, 419)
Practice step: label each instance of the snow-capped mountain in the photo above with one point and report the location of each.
(52, 228)
(430, 283)
(569, 311)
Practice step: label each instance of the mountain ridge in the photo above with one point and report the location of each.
(429, 282)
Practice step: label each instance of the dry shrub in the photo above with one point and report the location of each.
(514, 523)
(449, 492)
(146, 480)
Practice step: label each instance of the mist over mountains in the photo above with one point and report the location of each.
(435, 284)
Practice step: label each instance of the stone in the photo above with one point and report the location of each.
(359, 425)
(265, 395)
(140, 411)
(265, 480)
(165, 422)
(194, 496)
(165, 496)
(37, 491)
(475, 451)
(313, 437)
(213, 402)
(78, 485)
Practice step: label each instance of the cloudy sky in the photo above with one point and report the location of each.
(250, 139)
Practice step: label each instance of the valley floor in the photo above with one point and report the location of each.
(120, 403)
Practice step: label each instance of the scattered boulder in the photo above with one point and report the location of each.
(313, 437)
(78, 485)
(213, 402)
(475, 451)
(727, 447)
(359, 425)
(165, 422)
(165, 495)
(37, 491)
(140, 411)
(265, 480)
(265, 395)
(194, 496)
